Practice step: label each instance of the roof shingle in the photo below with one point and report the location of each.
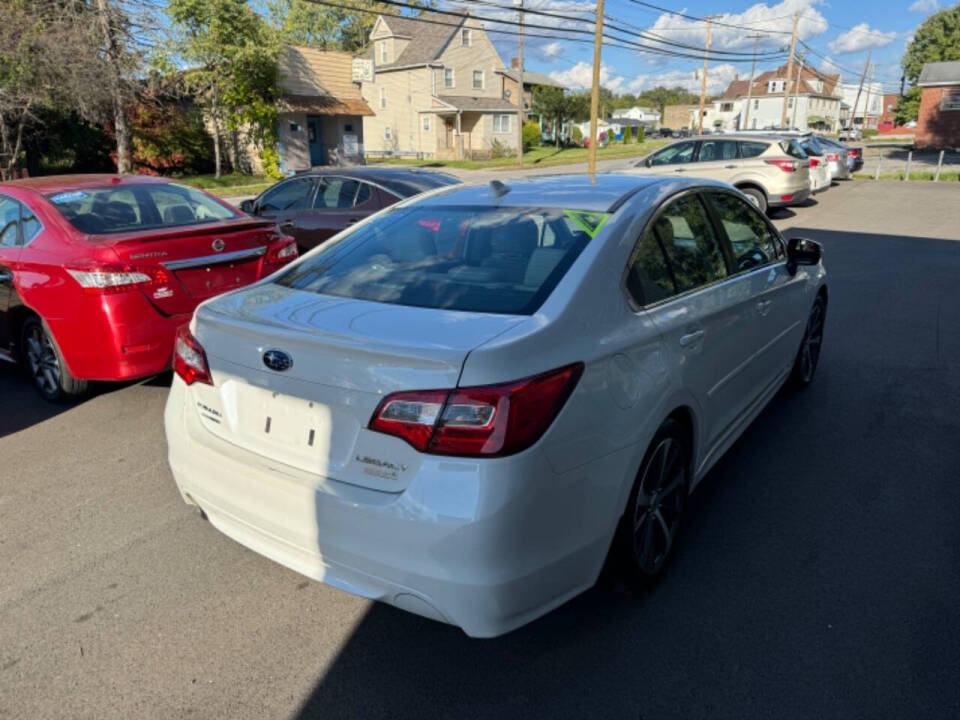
(940, 73)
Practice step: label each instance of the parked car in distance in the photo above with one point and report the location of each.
(314, 206)
(665, 132)
(454, 410)
(838, 157)
(772, 171)
(97, 272)
(820, 175)
(851, 134)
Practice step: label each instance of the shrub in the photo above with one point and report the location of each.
(870, 132)
(531, 135)
(498, 149)
(577, 135)
(640, 135)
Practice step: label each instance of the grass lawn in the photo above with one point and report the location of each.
(914, 175)
(544, 156)
(229, 185)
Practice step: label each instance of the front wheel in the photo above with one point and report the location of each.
(45, 364)
(805, 364)
(649, 527)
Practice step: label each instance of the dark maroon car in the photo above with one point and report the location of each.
(316, 205)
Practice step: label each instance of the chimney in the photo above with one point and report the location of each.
(514, 63)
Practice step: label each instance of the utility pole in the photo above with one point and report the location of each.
(853, 113)
(519, 4)
(786, 92)
(595, 90)
(703, 84)
(796, 94)
(753, 69)
(866, 104)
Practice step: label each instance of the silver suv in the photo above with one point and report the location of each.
(772, 171)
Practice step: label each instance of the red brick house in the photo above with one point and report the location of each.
(938, 123)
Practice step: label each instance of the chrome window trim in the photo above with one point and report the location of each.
(217, 259)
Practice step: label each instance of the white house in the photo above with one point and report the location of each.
(648, 117)
(873, 103)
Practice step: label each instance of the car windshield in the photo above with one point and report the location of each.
(124, 208)
(416, 184)
(479, 259)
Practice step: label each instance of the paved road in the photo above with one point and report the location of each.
(818, 577)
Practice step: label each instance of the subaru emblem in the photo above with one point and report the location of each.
(219, 244)
(277, 360)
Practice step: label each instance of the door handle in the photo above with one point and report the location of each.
(351, 221)
(763, 306)
(680, 170)
(730, 167)
(690, 338)
(286, 224)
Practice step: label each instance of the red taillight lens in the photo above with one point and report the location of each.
(107, 279)
(814, 162)
(189, 359)
(783, 164)
(282, 250)
(493, 420)
(831, 157)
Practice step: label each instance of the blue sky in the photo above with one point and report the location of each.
(838, 35)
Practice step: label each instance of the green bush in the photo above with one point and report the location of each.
(531, 134)
(577, 136)
(870, 132)
(640, 135)
(498, 150)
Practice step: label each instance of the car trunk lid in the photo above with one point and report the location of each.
(346, 355)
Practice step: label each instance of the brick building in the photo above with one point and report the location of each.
(938, 123)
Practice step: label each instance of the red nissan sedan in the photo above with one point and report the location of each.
(97, 272)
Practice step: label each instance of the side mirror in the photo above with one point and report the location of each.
(248, 207)
(648, 162)
(801, 251)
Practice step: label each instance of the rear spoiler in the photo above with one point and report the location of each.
(211, 228)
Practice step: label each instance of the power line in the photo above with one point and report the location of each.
(700, 19)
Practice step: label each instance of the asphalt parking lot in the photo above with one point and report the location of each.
(818, 577)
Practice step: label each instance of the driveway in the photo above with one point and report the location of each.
(818, 575)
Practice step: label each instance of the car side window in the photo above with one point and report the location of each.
(364, 194)
(335, 194)
(30, 227)
(717, 150)
(674, 154)
(752, 149)
(751, 239)
(679, 251)
(290, 195)
(9, 221)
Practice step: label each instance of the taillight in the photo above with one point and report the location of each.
(189, 359)
(814, 162)
(491, 420)
(783, 164)
(105, 279)
(853, 153)
(831, 157)
(282, 250)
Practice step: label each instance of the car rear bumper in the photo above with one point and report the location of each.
(797, 197)
(470, 543)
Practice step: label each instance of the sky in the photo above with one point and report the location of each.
(836, 37)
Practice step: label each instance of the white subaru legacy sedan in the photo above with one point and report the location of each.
(469, 402)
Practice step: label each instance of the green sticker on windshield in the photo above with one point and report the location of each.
(590, 222)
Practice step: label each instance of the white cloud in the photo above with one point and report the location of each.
(550, 51)
(580, 77)
(861, 37)
(544, 49)
(924, 6)
(718, 78)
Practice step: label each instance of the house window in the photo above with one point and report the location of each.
(387, 134)
(448, 78)
(950, 101)
(384, 55)
(726, 107)
(756, 104)
(426, 122)
(478, 79)
(501, 123)
(383, 98)
(789, 102)
(466, 37)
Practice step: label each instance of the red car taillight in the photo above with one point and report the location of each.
(853, 153)
(814, 162)
(783, 164)
(189, 359)
(282, 250)
(831, 157)
(105, 279)
(492, 420)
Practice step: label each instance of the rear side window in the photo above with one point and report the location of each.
(689, 254)
(478, 259)
(137, 207)
(753, 149)
(793, 149)
(752, 241)
(716, 150)
(335, 193)
(9, 221)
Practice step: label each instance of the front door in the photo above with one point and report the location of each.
(315, 138)
(288, 203)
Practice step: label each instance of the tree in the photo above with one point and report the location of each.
(557, 106)
(233, 71)
(300, 22)
(936, 40)
(660, 96)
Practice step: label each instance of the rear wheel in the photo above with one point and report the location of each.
(648, 529)
(44, 362)
(808, 356)
(757, 197)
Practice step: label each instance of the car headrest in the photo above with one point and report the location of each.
(118, 213)
(542, 262)
(516, 238)
(414, 245)
(179, 214)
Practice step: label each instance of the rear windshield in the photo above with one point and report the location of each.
(793, 149)
(137, 207)
(478, 259)
(415, 184)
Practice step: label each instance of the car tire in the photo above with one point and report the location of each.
(757, 197)
(648, 530)
(808, 356)
(44, 363)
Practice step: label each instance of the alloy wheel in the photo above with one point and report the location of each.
(659, 503)
(42, 360)
(812, 340)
